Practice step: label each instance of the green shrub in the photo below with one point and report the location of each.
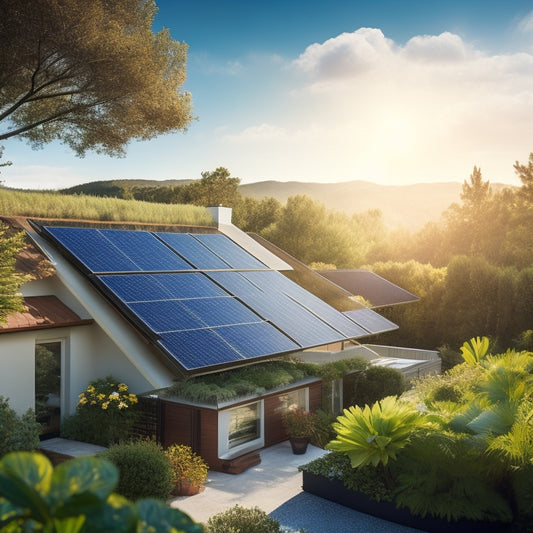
(187, 466)
(17, 433)
(76, 497)
(144, 469)
(239, 519)
(323, 429)
(376, 383)
(366, 479)
(105, 413)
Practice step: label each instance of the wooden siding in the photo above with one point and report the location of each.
(197, 426)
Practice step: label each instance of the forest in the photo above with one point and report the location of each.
(473, 269)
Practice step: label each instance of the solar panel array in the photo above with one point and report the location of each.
(201, 298)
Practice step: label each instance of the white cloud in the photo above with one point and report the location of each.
(436, 48)
(526, 24)
(346, 55)
(363, 107)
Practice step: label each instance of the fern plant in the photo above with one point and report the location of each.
(374, 435)
(474, 350)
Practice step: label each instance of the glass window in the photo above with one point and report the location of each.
(48, 386)
(293, 399)
(244, 424)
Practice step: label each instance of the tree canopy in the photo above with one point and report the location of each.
(91, 74)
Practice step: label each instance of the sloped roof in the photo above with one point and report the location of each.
(43, 312)
(202, 300)
(373, 288)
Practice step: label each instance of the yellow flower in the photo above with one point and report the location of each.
(82, 401)
(132, 398)
(122, 405)
(105, 405)
(122, 387)
(90, 388)
(93, 402)
(114, 396)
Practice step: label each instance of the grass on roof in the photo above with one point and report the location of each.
(56, 205)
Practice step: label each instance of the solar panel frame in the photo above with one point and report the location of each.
(192, 251)
(229, 251)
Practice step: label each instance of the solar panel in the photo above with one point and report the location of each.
(145, 250)
(193, 251)
(230, 252)
(373, 322)
(166, 315)
(258, 339)
(220, 311)
(198, 348)
(92, 250)
(277, 281)
(203, 299)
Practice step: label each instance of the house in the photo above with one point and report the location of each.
(153, 305)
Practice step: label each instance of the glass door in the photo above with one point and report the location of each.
(48, 387)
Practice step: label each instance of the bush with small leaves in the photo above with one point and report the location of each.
(239, 519)
(17, 433)
(145, 470)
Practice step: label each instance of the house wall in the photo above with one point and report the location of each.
(199, 426)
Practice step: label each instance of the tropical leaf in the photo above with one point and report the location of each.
(373, 435)
(474, 350)
(156, 516)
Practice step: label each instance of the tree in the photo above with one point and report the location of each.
(91, 74)
(214, 188)
(10, 280)
(525, 173)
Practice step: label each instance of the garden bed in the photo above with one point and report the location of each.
(334, 490)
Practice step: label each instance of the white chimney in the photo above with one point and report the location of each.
(221, 215)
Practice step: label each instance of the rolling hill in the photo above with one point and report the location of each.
(407, 206)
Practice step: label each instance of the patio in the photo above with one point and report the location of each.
(275, 486)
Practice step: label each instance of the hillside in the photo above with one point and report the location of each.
(407, 206)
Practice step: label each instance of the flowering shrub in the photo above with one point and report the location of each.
(187, 466)
(298, 422)
(105, 413)
(106, 394)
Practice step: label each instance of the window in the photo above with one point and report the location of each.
(293, 399)
(244, 424)
(48, 386)
(240, 429)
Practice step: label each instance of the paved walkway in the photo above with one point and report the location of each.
(275, 486)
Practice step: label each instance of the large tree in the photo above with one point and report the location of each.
(89, 73)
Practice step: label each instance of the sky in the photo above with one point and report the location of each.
(388, 91)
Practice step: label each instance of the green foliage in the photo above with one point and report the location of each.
(76, 497)
(105, 413)
(145, 471)
(186, 465)
(376, 383)
(474, 350)
(251, 380)
(298, 422)
(10, 281)
(365, 479)
(442, 475)
(17, 433)
(92, 75)
(239, 519)
(376, 434)
(56, 205)
(323, 429)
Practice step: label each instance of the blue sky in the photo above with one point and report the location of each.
(328, 91)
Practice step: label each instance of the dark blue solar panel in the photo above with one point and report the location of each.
(136, 287)
(230, 252)
(189, 285)
(145, 250)
(167, 315)
(278, 282)
(371, 321)
(199, 348)
(256, 340)
(293, 319)
(192, 250)
(221, 311)
(92, 249)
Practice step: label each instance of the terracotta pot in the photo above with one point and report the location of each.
(185, 488)
(299, 445)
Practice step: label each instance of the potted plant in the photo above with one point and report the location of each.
(189, 470)
(299, 425)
